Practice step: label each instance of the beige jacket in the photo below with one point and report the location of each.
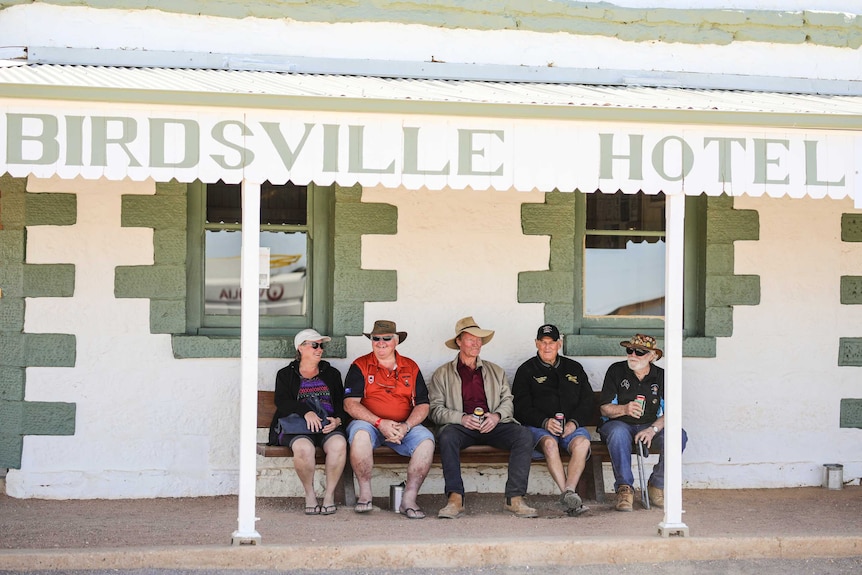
(444, 393)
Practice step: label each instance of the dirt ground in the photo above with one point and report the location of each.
(83, 524)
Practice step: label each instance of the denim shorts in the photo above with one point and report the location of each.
(408, 445)
(563, 442)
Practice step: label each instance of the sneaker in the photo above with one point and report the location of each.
(625, 498)
(519, 507)
(570, 499)
(656, 495)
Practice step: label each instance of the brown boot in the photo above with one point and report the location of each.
(625, 498)
(454, 508)
(656, 495)
(519, 507)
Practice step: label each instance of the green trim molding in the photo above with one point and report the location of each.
(670, 25)
(20, 350)
(556, 286)
(165, 283)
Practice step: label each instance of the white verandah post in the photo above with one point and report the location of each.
(249, 327)
(673, 329)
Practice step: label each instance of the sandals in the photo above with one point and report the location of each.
(328, 509)
(578, 511)
(413, 513)
(313, 510)
(363, 507)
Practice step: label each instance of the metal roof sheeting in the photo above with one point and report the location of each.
(38, 80)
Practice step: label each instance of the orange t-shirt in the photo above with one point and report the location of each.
(390, 394)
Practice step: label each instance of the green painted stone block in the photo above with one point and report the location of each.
(196, 346)
(11, 314)
(732, 290)
(366, 219)
(158, 212)
(348, 317)
(851, 227)
(12, 349)
(169, 247)
(49, 280)
(51, 209)
(850, 351)
(544, 219)
(49, 349)
(366, 285)
(718, 321)
(167, 316)
(11, 246)
(12, 280)
(851, 290)
(11, 446)
(11, 416)
(725, 226)
(545, 286)
(719, 259)
(12, 382)
(851, 413)
(160, 281)
(48, 418)
(561, 315)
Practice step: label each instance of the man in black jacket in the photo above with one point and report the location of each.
(546, 385)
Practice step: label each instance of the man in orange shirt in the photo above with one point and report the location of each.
(386, 396)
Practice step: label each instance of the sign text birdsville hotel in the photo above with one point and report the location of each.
(418, 151)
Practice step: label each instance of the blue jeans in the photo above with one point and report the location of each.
(619, 437)
(539, 433)
(512, 436)
(408, 445)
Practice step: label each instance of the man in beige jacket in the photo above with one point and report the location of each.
(471, 401)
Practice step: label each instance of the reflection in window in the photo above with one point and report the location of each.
(624, 256)
(284, 229)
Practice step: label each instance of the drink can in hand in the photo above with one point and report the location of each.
(561, 419)
(479, 414)
(641, 400)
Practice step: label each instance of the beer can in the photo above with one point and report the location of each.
(642, 401)
(561, 419)
(479, 414)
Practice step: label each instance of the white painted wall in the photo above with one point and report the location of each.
(78, 27)
(763, 413)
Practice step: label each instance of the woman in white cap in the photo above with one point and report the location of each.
(309, 396)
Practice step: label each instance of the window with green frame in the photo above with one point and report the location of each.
(295, 224)
(621, 242)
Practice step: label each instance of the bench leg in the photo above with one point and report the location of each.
(346, 485)
(598, 479)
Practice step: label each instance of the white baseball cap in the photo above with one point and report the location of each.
(308, 335)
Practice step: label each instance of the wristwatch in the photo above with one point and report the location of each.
(655, 429)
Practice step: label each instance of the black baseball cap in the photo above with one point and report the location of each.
(548, 330)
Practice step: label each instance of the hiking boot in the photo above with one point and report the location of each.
(656, 495)
(625, 498)
(519, 507)
(454, 508)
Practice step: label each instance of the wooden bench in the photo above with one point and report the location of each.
(590, 487)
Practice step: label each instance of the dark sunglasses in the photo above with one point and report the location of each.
(637, 352)
(381, 337)
(314, 344)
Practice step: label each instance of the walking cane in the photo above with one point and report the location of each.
(642, 477)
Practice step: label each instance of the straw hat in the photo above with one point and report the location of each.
(468, 324)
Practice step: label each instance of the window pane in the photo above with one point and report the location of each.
(624, 275)
(621, 211)
(284, 204)
(288, 262)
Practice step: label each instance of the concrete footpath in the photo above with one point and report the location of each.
(195, 533)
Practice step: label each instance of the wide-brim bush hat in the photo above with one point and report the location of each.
(645, 342)
(468, 324)
(385, 327)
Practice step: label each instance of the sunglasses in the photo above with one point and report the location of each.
(382, 337)
(637, 352)
(314, 344)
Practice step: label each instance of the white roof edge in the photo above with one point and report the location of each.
(430, 70)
